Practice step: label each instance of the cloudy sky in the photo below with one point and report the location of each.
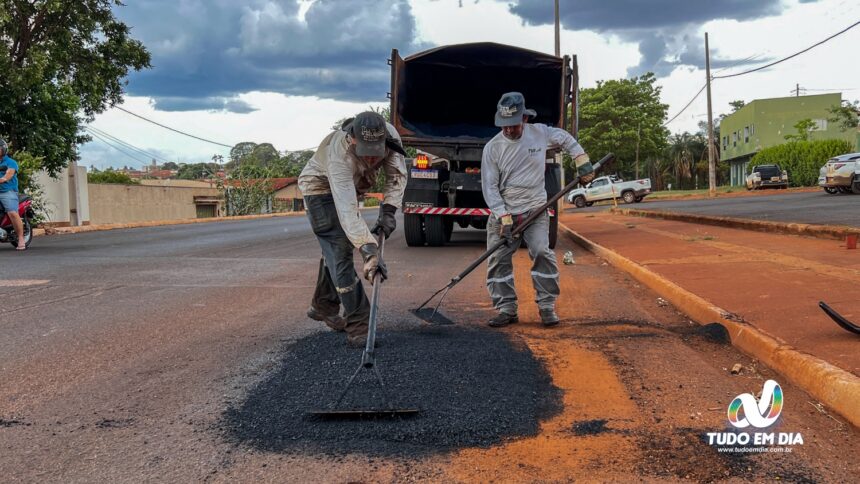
(283, 71)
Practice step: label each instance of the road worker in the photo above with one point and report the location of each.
(512, 179)
(344, 168)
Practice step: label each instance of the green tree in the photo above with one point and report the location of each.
(845, 115)
(737, 105)
(170, 166)
(803, 127)
(620, 116)
(110, 176)
(265, 154)
(196, 171)
(62, 63)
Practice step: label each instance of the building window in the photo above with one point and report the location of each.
(725, 142)
(752, 129)
(746, 134)
(734, 138)
(820, 124)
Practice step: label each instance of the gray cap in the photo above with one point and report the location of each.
(369, 131)
(511, 108)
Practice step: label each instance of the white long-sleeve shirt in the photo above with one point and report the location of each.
(335, 169)
(512, 171)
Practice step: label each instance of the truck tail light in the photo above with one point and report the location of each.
(422, 162)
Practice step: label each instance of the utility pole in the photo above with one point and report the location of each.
(557, 32)
(797, 90)
(712, 163)
(638, 138)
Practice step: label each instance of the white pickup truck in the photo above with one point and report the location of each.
(609, 187)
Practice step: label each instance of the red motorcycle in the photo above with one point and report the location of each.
(7, 232)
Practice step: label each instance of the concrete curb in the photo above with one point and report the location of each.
(836, 232)
(833, 386)
(155, 223)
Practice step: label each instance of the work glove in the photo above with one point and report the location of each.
(372, 262)
(584, 169)
(386, 223)
(506, 227)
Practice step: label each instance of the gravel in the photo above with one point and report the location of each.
(474, 387)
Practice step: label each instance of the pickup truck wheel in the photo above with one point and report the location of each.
(434, 229)
(553, 227)
(579, 201)
(855, 188)
(638, 199)
(588, 204)
(413, 229)
(831, 190)
(629, 197)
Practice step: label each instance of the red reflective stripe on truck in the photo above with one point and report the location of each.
(447, 211)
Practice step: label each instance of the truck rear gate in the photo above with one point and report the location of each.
(442, 103)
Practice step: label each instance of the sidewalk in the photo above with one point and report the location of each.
(773, 282)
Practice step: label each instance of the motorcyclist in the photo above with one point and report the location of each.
(9, 192)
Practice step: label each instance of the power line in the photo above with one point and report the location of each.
(126, 153)
(687, 106)
(126, 144)
(791, 56)
(172, 129)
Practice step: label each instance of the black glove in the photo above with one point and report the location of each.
(506, 227)
(372, 262)
(386, 223)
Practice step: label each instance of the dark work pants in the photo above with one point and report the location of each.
(337, 282)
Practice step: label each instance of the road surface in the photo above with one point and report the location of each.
(805, 207)
(171, 354)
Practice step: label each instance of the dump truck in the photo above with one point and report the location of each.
(442, 103)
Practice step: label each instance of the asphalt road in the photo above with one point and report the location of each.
(125, 356)
(811, 208)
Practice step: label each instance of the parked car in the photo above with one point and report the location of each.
(764, 176)
(608, 188)
(841, 174)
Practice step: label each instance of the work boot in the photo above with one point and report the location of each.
(548, 317)
(335, 322)
(503, 319)
(359, 341)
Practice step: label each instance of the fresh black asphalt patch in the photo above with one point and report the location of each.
(474, 387)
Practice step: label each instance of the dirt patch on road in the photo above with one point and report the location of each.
(474, 389)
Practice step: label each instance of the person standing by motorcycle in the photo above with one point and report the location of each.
(9, 192)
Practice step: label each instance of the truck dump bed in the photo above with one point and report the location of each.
(443, 100)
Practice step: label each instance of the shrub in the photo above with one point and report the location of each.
(802, 159)
(111, 176)
(371, 202)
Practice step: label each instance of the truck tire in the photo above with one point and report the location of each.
(831, 190)
(434, 230)
(588, 204)
(449, 227)
(638, 199)
(579, 201)
(413, 229)
(628, 197)
(553, 227)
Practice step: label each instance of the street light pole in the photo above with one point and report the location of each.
(712, 163)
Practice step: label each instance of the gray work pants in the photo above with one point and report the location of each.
(500, 267)
(337, 281)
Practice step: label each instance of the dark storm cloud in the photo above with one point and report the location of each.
(666, 30)
(206, 52)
